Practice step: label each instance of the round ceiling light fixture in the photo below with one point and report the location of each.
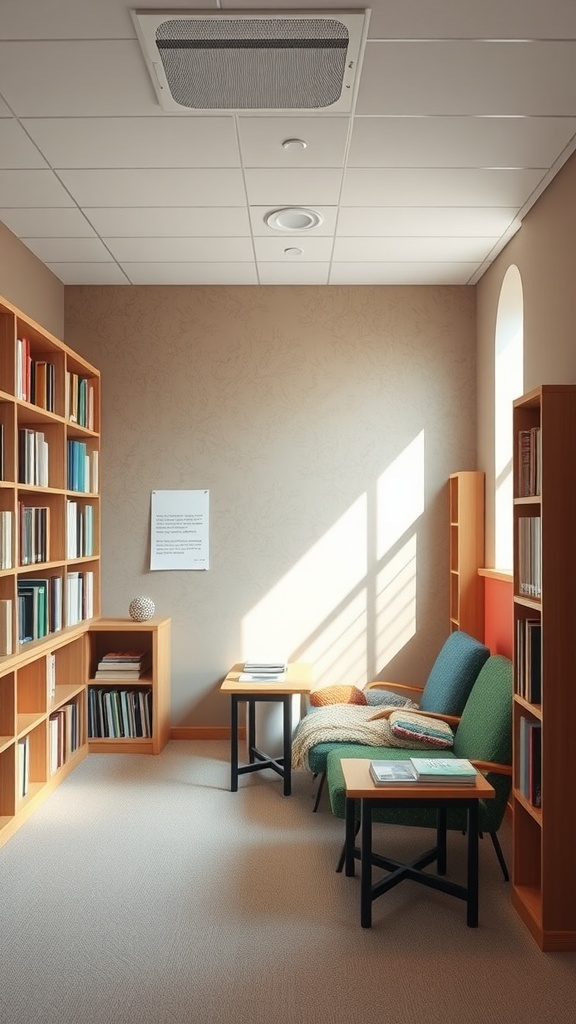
(293, 218)
(293, 251)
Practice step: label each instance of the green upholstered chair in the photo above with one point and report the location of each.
(483, 736)
(446, 691)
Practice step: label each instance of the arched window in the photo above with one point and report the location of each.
(508, 385)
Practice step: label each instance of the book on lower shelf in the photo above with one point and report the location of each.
(457, 771)
(126, 664)
(386, 773)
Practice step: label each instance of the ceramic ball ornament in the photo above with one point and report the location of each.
(141, 608)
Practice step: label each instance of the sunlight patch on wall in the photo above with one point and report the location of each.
(396, 602)
(338, 652)
(308, 597)
(400, 495)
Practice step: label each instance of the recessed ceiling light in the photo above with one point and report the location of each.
(293, 251)
(294, 144)
(293, 218)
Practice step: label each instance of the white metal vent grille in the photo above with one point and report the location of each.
(252, 62)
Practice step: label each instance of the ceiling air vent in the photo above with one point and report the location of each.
(273, 61)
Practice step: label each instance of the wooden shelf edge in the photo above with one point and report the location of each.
(497, 574)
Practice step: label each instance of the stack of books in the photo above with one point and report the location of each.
(263, 671)
(454, 771)
(123, 665)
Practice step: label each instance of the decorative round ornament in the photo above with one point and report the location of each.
(141, 608)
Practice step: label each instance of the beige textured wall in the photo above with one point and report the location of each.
(544, 250)
(29, 285)
(325, 422)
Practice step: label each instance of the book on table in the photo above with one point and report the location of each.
(454, 770)
(272, 671)
(384, 773)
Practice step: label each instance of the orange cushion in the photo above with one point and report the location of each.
(337, 695)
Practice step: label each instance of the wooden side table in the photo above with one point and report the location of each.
(298, 679)
(359, 786)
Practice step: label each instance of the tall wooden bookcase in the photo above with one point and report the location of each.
(544, 765)
(466, 598)
(51, 632)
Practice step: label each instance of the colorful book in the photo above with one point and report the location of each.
(386, 773)
(453, 770)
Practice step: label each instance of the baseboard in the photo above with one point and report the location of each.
(203, 732)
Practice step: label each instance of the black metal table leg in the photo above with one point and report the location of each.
(366, 865)
(234, 743)
(287, 738)
(441, 823)
(349, 858)
(251, 728)
(472, 882)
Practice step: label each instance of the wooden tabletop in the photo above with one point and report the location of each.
(298, 679)
(359, 784)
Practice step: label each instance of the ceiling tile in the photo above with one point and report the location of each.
(451, 78)
(68, 250)
(47, 223)
(76, 78)
(16, 149)
(32, 188)
(452, 19)
(315, 250)
(170, 222)
(77, 19)
(136, 141)
(296, 186)
(326, 227)
(438, 187)
(180, 250)
(402, 273)
(191, 273)
(459, 141)
(421, 250)
(423, 220)
(88, 273)
(289, 273)
(197, 187)
(261, 141)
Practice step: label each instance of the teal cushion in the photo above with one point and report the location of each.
(453, 674)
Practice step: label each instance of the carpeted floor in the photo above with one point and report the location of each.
(144, 892)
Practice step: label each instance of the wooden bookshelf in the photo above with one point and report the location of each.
(153, 639)
(544, 768)
(50, 405)
(466, 599)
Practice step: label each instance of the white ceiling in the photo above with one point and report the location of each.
(463, 113)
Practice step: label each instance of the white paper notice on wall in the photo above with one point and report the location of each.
(179, 532)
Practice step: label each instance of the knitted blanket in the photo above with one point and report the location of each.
(348, 723)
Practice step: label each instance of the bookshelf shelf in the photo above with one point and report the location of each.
(466, 510)
(50, 629)
(544, 770)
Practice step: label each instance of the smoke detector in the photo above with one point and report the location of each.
(293, 61)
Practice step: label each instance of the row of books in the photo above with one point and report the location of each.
(79, 530)
(530, 761)
(34, 533)
(119, 713)
(6, 537)
(82, 467)
(528, 661)
(80, 398)
(64, 735)
(123, 664)
(530, 556)
(35, 378)
(46, 604)
(529, 462)
(33, 457)
(272, 671)
(439, 770)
